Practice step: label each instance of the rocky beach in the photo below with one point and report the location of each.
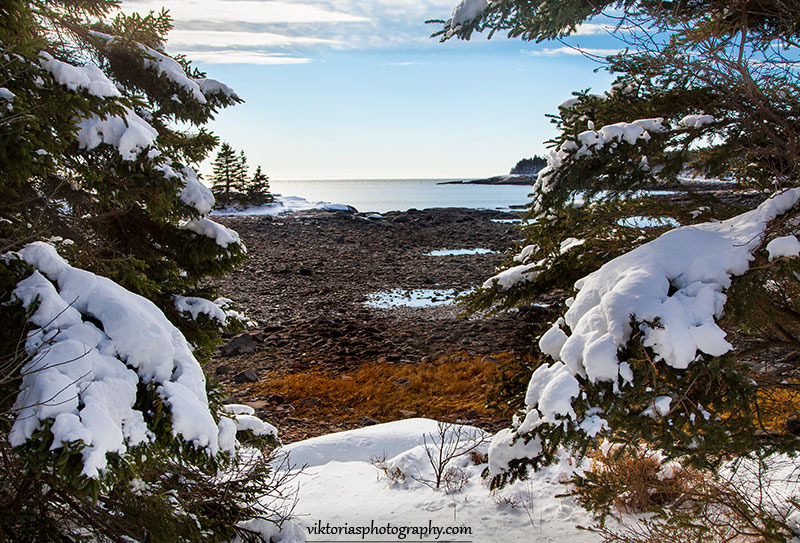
(312, 282)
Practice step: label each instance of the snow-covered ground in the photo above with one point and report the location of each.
(284, 204)
(340, 489)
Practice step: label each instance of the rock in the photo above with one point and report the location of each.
(405, 413)
(222, 369)
(793, 425)
(276, 398)
(767, 434)
(246, 376)
(244, 343)
(257, 405)
(368, 421)
(305, 272)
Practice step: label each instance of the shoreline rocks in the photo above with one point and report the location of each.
(310, 273)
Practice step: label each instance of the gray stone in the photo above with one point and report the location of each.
(246, 376)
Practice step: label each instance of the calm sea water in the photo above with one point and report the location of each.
(383, 195)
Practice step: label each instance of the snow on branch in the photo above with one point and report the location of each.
(84, 376)
(89, 77)
(167, 66)
(196, 306)
(222, 235)
(220, 310)
(130, 134)
(194, 194)
(513, 276)
(245, 419)
(467, 10)
(172, 70)
(677, 281)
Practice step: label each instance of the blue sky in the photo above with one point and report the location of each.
(357, 89)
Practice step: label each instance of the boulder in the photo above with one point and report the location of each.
(246, 376)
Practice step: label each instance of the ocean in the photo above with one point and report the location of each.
(382, 195)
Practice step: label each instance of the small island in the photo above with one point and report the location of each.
(523, 173)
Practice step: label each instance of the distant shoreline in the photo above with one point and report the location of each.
(496, 180)
(684, 184)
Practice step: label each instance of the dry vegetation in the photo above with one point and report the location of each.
(777, 403)
(449, 388)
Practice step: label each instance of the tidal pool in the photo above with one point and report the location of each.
(459, 252)
(400, 297)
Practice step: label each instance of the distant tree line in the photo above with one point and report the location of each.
(232, 184)
(529, 166)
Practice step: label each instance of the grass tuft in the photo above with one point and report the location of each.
(449, 388)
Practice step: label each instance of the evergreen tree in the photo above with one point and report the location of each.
(258, 188)
(529, 166)
(91, 162)
(242, 172)
(704, 89)
(225, 174)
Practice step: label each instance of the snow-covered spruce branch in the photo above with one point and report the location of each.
(672, 289)
(92, 398)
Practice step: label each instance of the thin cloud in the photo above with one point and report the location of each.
(235, 56)
(406, 63)
(591, 29)
(229, 38)
(275, 31)
(249, 11)
(571, 51)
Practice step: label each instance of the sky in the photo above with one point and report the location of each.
(357, 89)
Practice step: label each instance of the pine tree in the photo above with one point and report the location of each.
(225, 174)
(242, 172)
(258, 188)
(529, 166)
(704, 89)
(91, 163)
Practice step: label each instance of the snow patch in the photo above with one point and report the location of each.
(342, 461)
(696, 121)
(195, 193)
(570, 243)
(282, 205)
(467, 10)
(7, 95)
(513, 276)
(783, 246)
(222, 235)
(130, 134)
(197, 306)
(551, 390)
(89, 77)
